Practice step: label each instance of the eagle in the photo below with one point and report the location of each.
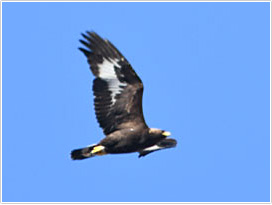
(118, 92)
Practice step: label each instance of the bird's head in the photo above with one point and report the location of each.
(157, 133)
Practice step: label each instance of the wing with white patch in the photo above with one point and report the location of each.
(163, 144)
(117, 88)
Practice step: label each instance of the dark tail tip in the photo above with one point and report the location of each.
(79, 154)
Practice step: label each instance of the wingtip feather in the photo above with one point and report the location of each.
(86, 52)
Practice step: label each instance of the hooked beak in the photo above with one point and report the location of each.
(166, 134)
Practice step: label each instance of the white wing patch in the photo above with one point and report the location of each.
(107, 73)
(153, 148)
(106, 69)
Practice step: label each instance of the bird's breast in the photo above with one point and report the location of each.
(127, 141)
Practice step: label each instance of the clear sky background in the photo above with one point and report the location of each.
(205, 69)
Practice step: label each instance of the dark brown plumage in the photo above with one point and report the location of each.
(118, 95)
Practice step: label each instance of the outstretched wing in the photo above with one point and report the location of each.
(117, 88)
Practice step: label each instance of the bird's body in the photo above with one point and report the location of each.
(118, 104)
(129, 140)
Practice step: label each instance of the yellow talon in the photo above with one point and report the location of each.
(98, 150)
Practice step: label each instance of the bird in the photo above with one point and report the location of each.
(118, 92)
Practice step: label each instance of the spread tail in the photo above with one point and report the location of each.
(88, 152)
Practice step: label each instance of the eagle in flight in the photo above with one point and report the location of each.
(118, 92)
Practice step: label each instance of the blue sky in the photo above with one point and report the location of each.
(205, 69)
